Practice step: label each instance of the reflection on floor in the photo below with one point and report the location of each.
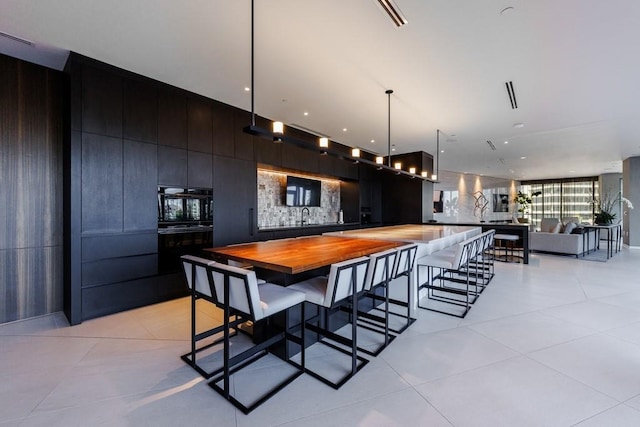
(555, 342)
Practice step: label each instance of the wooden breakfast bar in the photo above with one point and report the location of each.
(293, 256)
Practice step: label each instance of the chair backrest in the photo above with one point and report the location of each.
(405, 260)
(380, 268)
(466, 251)
(487, 240)
(243, 289)
(339, 285)
(195, 269)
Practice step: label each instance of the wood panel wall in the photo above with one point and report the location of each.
(31, 215)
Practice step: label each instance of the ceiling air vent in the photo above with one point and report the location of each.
(512, 94)
(16, 39)
(493, 147)
(393, 11)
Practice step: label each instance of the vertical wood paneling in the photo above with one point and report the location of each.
(140, 186)
(30, 190)
(102, 187)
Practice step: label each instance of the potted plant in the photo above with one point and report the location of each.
(607, 205)
(523, 202)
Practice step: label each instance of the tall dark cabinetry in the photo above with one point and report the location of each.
(234, 200)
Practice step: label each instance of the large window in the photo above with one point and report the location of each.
(562, 198)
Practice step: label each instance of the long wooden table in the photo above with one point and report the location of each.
(293, 256)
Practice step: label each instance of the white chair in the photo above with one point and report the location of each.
(379, 273)
(346, 279)
(404, 265)
(450, 261)
(195, 271)
(238, 291)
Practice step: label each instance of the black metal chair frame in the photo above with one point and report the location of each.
(325, 332)
(239, 361)
(190, 358)
(398, 272)
(469, 252)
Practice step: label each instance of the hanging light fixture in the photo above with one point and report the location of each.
(355, 152)
(412, 170)
(397, 165)
(323, 143)
(278, 130)
(424, 174)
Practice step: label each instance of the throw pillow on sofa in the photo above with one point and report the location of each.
(569, 227)
(557, 228)
(578, 230)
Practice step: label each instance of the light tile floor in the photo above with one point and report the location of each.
(554, 343)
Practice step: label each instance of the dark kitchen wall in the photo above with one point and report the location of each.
(126, 135)
(31, 237)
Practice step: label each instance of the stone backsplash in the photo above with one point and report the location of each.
(272, 211)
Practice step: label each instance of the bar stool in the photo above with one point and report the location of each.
(346, 279)
(195, 271)
(378, 277)
(239, 292)
(506, 241)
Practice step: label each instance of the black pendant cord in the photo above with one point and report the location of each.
(253, 112)
(389, 92)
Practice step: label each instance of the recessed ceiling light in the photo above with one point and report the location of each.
(506, 142)
(523, 157)
(306, 113)
(373, 141)
(442, 151)
(518, 125)
(344, 129)
(247, 89)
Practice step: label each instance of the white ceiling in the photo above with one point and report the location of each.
(574, 65)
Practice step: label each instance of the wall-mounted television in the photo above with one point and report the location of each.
(302, 191)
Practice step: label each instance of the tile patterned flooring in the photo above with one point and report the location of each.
(554, 343)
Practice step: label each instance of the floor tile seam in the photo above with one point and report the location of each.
(626, 402)
(467, 371)
(196, 379)
(435, 408)
(540, 363)
(624, 340)
(346, 405)
(615, 305)
(597, 414)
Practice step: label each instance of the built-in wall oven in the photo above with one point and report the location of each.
(185, 224)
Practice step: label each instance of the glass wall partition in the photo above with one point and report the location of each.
(562, 198)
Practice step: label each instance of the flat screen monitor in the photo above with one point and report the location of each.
(302, 192)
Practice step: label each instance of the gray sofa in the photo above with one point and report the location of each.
(559, 237)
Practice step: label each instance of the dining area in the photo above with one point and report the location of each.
(321, 305)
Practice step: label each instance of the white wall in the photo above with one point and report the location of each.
(463, 186)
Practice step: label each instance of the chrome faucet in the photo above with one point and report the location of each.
(302, 215)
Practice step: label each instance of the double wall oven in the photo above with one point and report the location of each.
(185, 224)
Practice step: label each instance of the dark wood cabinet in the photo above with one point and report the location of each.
(200, 170)
(140, 186)
(101, 184)
(172, 167)
(223, 135)
(234, 200)
(140, 111)
(243, 142)
(200, 125)
(101, 102)
(301, 159)
(172, 118)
